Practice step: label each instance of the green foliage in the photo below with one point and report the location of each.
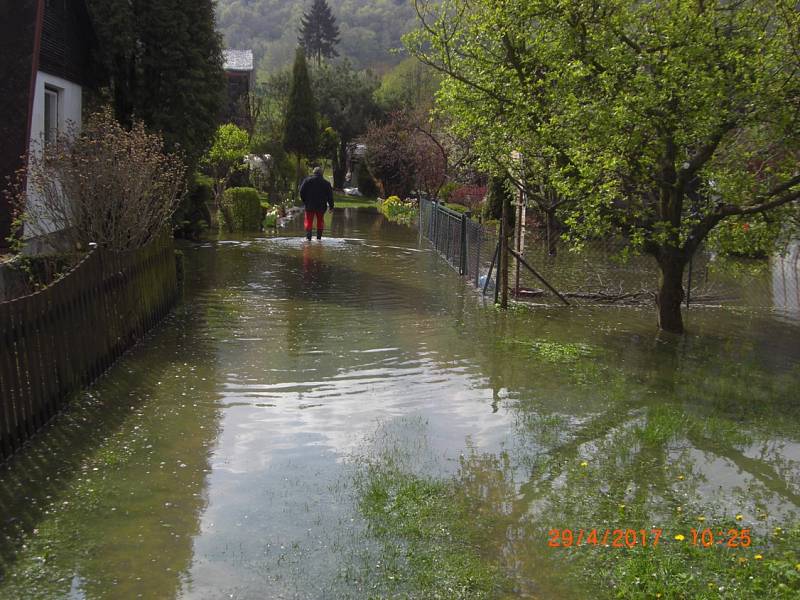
(329, 142)
(281, 169)
(301, 129)
(366, 184)
(447, 190)
(271, 216)
(753, 236)
(397, 210)
(240, 210)
(346, 101)
(344, 201)
(498, 193)
(459, 208)
(369, 29)
(319, 33)
(647, 120)
(556, 352)
(163, 65)
(228, 148)
(225, 158)
(192, 217)
(430, 548)
(410, 86)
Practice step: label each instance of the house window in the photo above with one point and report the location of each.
(52, 113)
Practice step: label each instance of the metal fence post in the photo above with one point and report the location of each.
(463, 267)
(478, 239)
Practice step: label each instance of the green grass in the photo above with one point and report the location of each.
(459, 208)
(554, 352)
(430, 549)
(344, 201)
(678, 569)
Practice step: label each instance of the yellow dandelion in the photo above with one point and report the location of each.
(585, 464)
(739, 517)
(622, 506)
(680, 537)
(701, 519)
(680, 477)
(778, 531)
(797, 567)
(758, 557)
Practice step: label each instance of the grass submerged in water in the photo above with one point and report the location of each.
(447, 538)
(430, 549)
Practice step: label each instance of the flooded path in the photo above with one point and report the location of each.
(222, 457)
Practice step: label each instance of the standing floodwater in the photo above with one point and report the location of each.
(224, 457)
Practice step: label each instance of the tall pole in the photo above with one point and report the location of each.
(518, 220)
(506, 210)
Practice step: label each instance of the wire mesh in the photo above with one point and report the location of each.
(467, 245)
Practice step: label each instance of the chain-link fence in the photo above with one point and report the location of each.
(467, 246)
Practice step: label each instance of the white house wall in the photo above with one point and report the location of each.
(70, 105)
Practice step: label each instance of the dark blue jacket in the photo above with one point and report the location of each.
(316, 193)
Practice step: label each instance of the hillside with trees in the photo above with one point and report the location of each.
(368, 29)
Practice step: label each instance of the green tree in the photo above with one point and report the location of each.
(410, 86)
(656, 120)
(163, 63)
(226, 157)
(301, 128)
(319, 33)
(346, 101)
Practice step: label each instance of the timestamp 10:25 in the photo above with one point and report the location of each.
(629, 538)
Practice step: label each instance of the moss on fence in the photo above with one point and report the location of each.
(240, 210)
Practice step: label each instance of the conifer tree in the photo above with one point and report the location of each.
(319, 33)
(163, 64)
(301, 128)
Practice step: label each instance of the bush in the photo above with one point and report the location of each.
(271, 217)
(240, 210)
(281, 171)
(106, 184)
(366, 184)
(398, 211)
(447, 190)
(193, 217)
(468, 195)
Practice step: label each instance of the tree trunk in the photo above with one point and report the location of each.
(670, 293)
(552, 232)
(339, 166)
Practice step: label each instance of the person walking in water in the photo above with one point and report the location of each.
(317, 196)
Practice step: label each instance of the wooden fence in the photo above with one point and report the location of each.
(58, 340)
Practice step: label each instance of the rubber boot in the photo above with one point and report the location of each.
(319, 234)
(308, 235)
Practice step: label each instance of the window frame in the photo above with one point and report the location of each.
(53, 110)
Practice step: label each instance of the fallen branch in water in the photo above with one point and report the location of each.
(640, 297)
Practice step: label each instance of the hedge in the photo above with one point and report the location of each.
(241, 210)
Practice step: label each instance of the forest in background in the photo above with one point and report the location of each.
(370, 29)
